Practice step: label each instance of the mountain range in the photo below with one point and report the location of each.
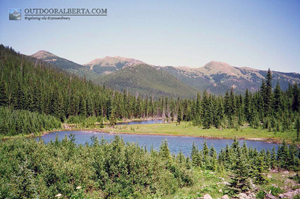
(135, 76)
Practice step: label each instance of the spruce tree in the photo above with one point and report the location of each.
(268, 93)
(260, 170)
(240, 181)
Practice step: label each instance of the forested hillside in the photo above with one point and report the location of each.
(36, 86)
(147, 81)
(14, 122)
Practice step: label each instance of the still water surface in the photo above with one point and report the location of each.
(176, 143)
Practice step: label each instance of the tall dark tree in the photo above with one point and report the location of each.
(277, 101)
(206, 110)
(240, 181)
(247, 106)
(268, 93)
(296, 100)
(179, 114)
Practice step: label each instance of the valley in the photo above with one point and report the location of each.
(38, 96)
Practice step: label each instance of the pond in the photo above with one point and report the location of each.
(176, 143)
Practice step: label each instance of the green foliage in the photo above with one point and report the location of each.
(297, 196)
(112, 119)
(276, 190)
(156, 83)
(179, 115)
(247, 164)
(297, 178)
(31, 169)
(260, 194)
(240, 181)
(297, 127)
(14, 122)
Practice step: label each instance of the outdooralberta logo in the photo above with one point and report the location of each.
(40, 14)
(14, 14)
(65, 12)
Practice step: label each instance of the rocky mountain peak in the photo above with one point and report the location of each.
(42, 54)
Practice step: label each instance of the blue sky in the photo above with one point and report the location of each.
(252, 33)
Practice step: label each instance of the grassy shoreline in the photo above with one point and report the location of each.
(185, 129)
